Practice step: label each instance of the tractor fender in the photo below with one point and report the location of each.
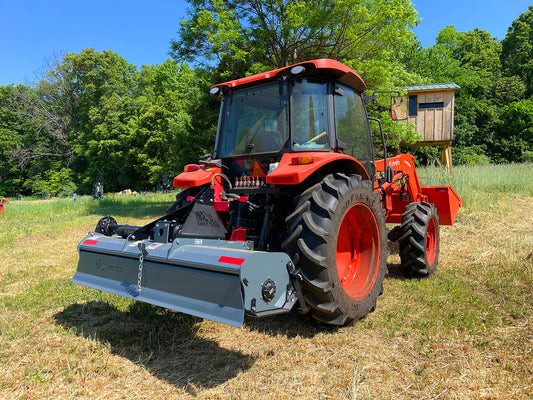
(201, 176)
(292, 172)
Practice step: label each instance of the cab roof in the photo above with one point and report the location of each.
(322, 68)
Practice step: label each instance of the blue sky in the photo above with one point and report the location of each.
(140, 31)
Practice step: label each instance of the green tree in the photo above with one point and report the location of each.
(478, 50)
(103, 118)
(175, 122)
(514, 133)
(82, 99)
(230, 39)
(245, 36)
(517, 49)
(38, 140)
(109, 145)
(447, 42)
(47, 110)
(472, 60)
(12, 137)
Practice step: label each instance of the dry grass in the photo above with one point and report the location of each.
(464, 333)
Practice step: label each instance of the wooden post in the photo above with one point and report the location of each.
(446, 157)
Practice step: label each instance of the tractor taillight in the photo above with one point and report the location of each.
(301, 160)
(191, 167)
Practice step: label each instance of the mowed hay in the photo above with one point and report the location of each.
(464, 333)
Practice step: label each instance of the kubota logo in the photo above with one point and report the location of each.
(394, 163)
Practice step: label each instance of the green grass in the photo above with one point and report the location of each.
(51, 217)
(464, 332)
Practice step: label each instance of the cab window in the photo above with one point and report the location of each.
(309, 115)
(353, 130)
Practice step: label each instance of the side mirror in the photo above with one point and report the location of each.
(371, 168)
(398, 108)
(389, 174)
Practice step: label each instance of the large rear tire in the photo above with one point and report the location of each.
(337, 240)
(420, 239)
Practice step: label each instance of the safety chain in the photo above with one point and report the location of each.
(142, 248)
(140, 273)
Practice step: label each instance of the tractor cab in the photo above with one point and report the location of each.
(310, 107)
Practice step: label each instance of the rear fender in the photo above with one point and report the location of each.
(288, 173)
(199, 177)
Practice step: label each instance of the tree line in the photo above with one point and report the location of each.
(94, 113)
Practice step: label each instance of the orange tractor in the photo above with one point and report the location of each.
(3, 201)
(291, 212)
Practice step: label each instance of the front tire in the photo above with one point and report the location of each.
(337, 240)
(420, 239)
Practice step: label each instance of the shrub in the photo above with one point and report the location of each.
(527, 156)
(474, 155)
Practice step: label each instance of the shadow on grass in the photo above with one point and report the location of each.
(163, 341)
(291, 325)
(294, 324)
(396, 272)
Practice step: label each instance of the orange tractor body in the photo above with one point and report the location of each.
(290, 213)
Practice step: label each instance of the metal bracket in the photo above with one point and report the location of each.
(296, 277)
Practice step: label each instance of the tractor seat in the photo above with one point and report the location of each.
(268, 141)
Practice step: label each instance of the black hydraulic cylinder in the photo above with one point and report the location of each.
(108, 226)
(123, 230)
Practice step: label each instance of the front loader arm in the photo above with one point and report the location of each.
(405, 188)
(403, 167)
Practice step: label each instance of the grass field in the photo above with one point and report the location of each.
(464, 333)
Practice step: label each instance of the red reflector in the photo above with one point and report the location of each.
(90, 242)
(231, 260)
(301, 160)
(238, 234)
(191, 167)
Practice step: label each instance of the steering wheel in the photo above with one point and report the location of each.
(315, 138)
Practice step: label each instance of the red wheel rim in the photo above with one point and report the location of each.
(358, 251)
(431, 242)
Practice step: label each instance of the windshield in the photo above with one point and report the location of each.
(254, 121)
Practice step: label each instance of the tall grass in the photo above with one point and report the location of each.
(482, 185)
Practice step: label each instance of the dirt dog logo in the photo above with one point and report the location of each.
(204, 219)
(102, 266)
